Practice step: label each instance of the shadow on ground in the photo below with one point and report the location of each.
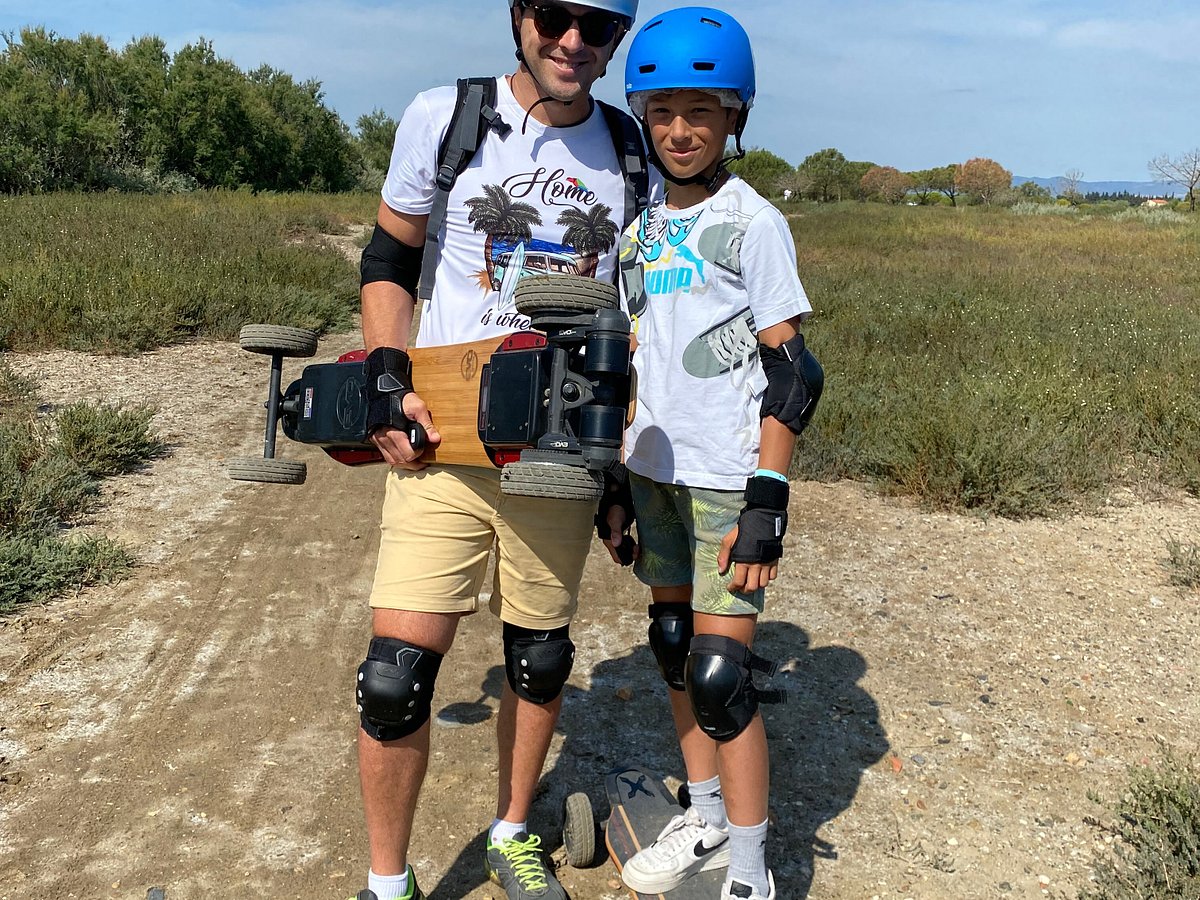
(821, 741)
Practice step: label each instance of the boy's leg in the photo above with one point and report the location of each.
(744, 764)
(699, 750)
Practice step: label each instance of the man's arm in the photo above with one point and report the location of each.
(387, 308)
(387, 317)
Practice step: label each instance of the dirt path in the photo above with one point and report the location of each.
(958, 685)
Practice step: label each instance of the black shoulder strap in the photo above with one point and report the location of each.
(474, 112)
(631, 154)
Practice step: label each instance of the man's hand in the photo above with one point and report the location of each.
(393, 443)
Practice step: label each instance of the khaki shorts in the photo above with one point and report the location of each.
(438, 528)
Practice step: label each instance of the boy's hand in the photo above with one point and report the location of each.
(615, 516)
(755, 544)
(747, 577)
(620, 544)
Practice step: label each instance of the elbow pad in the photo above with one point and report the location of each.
(387, 259)
(794, 383)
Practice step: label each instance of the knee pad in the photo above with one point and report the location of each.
(720, 685)
(395, 688)
(537, 663)
(670, 636)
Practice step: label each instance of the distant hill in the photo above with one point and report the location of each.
(1141, 188)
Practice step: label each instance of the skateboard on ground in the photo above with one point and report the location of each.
(548, 406)
(641, 806)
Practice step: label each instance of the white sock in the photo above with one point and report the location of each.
(502, 831)
(747, 864)
(707, 800)
(388, 887)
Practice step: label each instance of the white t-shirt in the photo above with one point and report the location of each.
(699, 284)
(540, 201)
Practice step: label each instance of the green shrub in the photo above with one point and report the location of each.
(33, 569)
(1157, 832)
(49, 475)
(106, 440)
(1183, 563)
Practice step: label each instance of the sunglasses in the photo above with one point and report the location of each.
(597, 29)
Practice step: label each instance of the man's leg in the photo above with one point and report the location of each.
(541, 548)
(521, 761)
(391, 772)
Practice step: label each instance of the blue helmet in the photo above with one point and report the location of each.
(693, 47)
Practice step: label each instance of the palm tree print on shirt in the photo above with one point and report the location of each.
(499, 216)
(589, 233)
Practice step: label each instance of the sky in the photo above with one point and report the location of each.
(1099, 87)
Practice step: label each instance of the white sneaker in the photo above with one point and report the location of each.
(737, 890)
(686, 846)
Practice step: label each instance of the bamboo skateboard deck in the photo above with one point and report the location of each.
(447, 379)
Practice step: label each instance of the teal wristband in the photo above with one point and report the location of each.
(767, 473)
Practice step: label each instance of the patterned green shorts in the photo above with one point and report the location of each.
(680, 529)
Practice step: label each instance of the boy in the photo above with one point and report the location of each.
(709, 280)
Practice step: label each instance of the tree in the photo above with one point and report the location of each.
(1183, 171)
(826, 171)
(984, 178)
(922, 184)
(852, 179)
(1031, 190)
(889, 184)
(1068, 186)
(76, 115)
(376, 134)
(943, 179)
(58, 127)
(762, 170)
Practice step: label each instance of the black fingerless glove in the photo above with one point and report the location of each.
(763, 521)
(616, 493)
(388, 374)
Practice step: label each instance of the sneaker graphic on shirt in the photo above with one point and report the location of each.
(686, 847)
(723, 348)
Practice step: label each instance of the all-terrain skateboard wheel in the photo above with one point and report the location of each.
(564, 293)
(554, 481)
(271, 471)
(579, 830)
(272, 339)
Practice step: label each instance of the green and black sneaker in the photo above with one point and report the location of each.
(517, 865)
(414, 892)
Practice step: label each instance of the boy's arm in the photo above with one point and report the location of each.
(774, 455)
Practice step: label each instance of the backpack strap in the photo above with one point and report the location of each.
(631, 155)
(474, 111)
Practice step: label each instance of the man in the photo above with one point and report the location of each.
(547, 161)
